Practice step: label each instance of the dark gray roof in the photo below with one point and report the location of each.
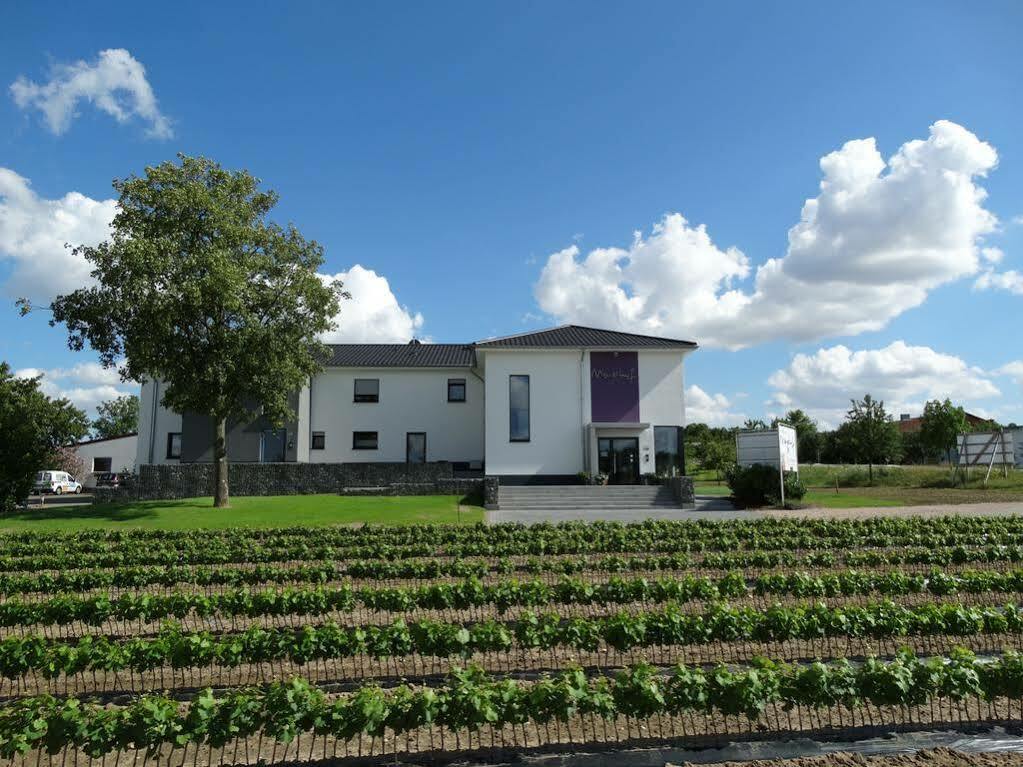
(578, 336)
(410, 355)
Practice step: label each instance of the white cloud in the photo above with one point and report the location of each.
(34, 231)
(373, 314)
(115, 83)
(904, 376)
(870, 246)
(711, 409)
(1010, 280)
(86, 384)
(1014, 370)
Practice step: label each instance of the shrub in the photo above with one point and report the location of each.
(757, 485)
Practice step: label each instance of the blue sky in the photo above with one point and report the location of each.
(450, 150)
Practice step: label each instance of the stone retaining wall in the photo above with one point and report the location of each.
(190, 480)
(683, 490)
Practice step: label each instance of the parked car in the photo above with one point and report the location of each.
(56, 482)
(111, 479)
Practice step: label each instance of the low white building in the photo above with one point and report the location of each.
(117, 454)
(535, 407)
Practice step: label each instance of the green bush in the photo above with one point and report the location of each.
(757, 485)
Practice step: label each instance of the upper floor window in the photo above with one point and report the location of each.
(174, 444)
(456, 390)
(319, 441)
(367, 389)
(518, 408)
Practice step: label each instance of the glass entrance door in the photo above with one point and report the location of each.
(618, 458)
(415, 447)
(272, 445)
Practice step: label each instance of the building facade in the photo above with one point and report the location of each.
(540, 406)
(116, 454)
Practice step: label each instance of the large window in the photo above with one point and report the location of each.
(102, 464)
(456, 390)
(367, 389)
(518, 407)
(668, 453)
(174, 444)
(364, 440)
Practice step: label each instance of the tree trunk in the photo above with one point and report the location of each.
(220, 491)
(870, 473)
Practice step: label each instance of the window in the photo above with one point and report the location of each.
(319, 440)
(367, 389)
(668, 454)
(102, 464)
(174, 444)
(518, 407)
(456, 390)
(364, 440)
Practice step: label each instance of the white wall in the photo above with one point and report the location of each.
(121, 451)
(155, 422)
(411, 400)
(555, 412)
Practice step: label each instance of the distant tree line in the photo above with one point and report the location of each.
(868, 435)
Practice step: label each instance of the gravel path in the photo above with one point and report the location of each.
(715, 510)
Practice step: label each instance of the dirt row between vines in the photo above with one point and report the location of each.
(515, 661)
(362, 616)
(436, 745)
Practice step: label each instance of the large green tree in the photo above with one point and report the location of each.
(116, 417)
(940, 427)
(873, 436)
(808, 439)
(198, 289)
(33, 428)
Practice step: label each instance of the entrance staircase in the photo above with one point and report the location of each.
(589, 497)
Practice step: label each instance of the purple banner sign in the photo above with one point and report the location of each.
(614, 387)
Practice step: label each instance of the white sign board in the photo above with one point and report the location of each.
(984, 448)
(773, 447)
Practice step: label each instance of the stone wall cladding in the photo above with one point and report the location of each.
(491, 491)
(683, 490)
(190, 480)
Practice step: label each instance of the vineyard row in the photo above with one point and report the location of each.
(471, 700)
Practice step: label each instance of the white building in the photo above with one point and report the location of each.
(540, 406)
(117, 454)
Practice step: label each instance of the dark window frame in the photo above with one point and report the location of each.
(109, 464)
(170, 445)
(318, 436)
(511, 409)
(355, 440)
(458, 382)
(356, 397)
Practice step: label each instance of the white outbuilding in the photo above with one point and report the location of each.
(115, 454)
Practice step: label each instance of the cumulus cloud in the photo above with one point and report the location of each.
(711, 409)
(86, 384)
(870, 246)
(115, 83)
(373, 314)
(34, 231)
(904, 376)
(1014, 370)
(1011, 281)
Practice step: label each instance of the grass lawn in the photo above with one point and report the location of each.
(250, 511)
(704, 488)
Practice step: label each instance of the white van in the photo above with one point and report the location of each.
(56, 482)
